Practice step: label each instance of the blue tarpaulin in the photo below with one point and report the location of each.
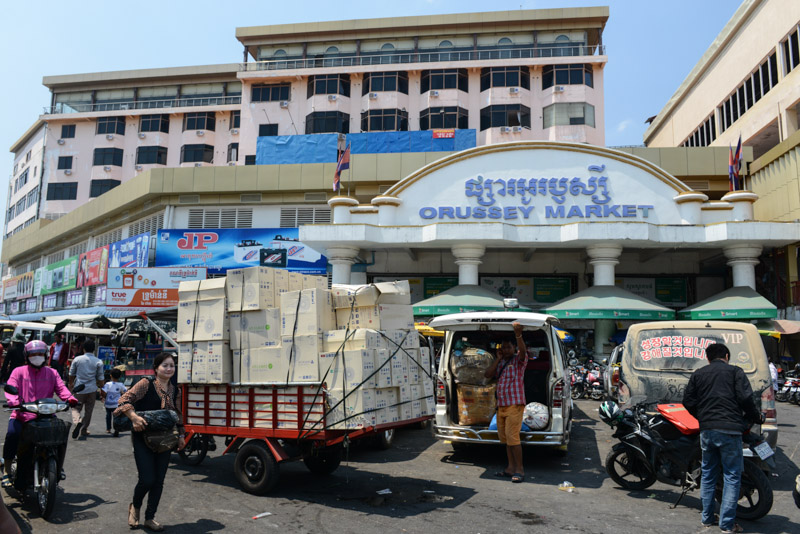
(288, 149)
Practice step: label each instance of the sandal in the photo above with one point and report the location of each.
(517, 478)
(5, 481)
(503, 474)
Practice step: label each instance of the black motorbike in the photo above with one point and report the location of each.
(40, 455)
(664, 445)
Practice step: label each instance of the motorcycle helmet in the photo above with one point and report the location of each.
(35, 353)
(610, 413)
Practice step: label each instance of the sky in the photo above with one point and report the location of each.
(651, 46)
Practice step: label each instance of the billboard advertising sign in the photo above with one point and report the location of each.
(153, 287)
(92, 267)
(60, 276)
(223, 249)
(131, 252)
(18, 287)
(74, 298)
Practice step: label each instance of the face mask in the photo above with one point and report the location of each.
(36, 361)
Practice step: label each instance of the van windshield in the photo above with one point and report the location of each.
(685, 349)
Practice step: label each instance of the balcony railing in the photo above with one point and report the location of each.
(175, 102)
(425, 57)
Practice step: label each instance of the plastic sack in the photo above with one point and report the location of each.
(156, 420)
(470, 364)
(493, 425)
(536, 416)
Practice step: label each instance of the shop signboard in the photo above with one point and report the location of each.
(30, 305)
(74, 298)
(13, 307)
(549, 290)
(415, 285)
(131, 252)
(60, 276)
(148, 287)
(668, 291)
(99, 295)
(510, 287)
(436, 284)
(92, 267)
(106, 355)
(37, 282)
(447, 133)
(49, 302)
(229, 248)
(18, 287)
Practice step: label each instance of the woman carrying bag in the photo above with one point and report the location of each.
(152, 448)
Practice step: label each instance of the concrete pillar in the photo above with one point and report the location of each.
(743, 260)
(341, 260)
(387, 209)
(742, 202)
(468, 258)
(689, 204)
(340, 208)
(603, 259)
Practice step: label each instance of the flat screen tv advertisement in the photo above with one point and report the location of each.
(221, 249)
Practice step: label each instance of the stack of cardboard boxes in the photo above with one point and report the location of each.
(269, 327)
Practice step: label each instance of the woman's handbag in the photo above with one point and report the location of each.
(161, 440)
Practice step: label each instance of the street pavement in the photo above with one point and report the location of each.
(433, 489)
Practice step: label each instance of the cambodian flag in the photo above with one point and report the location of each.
(344, 164)
(734, 166)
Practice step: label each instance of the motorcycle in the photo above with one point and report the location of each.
(594, 381)
(665, 446)
(577, 388)
(40, 456)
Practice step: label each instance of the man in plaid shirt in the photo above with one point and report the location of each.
(509, 369)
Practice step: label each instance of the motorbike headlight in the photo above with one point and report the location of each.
(48, 409)
(31, 407)
(62, 406)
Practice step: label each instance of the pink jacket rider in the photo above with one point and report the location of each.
(34, 384)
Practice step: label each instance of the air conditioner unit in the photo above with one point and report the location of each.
(373, 96)
(513, 90)
(142, 135)
(109, 137)
(559, 89)
(68, 172)
(138, 167)
(434, 93)
(516, 129)
(231, 163)
(198, 164)
(331, 98)
(60, 141)
(234, 131)
(505, 129)
(200, 133)
(284, 104)
(107, 168)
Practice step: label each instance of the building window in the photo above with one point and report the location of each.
(577, 74)
(108, 156)
(32, 197)
(384, 120)
(199, 121)
(99, 187)
(270, 93)
(151, 155)
(250, 160)
(67, 131)
(236, 117)
(329, 84)
(62, 191)
(64, 163)
(444, 117)
(154, 123)
(233, 152)
(505, 77)
(22, 180)
(750, 91)
(267, 130)
(327, 122)
(197, 153)
(444, 79)
(791, 52)
(376, 82)
(704, 135)
(505, 115)
(111, 125)
(28, 156)
(568, 114)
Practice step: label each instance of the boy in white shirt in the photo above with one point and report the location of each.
(112, 391)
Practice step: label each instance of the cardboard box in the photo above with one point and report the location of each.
(345, 296)
(295, 281)
(201, 310)
(265, 365)
(399, 369)
(407, 339)
(309, 311)
(476, 404)
(253, 329)
(388, 415)
(216, 363)
(281, 283)
(362, 338)
(383, 362)
(252, 288)
(353, 369)
(413, 359)
(185, 354)
(386, 397)
(354, 409)
(315, 282)
(379, 317)
(302, 354)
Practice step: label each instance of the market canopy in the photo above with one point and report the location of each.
(735, 303)
(608, 302)
(458, 299)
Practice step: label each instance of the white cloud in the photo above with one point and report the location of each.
(622, 126)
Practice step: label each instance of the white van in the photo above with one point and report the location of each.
(545, 377)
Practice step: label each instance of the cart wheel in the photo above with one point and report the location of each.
(195, 451)
(255, 468)
(385, 439)
(323, 461)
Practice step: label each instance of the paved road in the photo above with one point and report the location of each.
(433, 490)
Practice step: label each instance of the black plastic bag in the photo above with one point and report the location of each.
(157, 420)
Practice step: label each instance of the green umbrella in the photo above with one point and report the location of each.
(608, 302)
(734, 303)
(466, 298)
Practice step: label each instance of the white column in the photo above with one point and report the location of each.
(341, 260)
(604, 259)
(743, 260)
(468, 258)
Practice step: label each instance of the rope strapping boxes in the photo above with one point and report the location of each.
(350, 353)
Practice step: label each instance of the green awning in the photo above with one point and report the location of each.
(608, 302)
(734, 303)
(460, 299)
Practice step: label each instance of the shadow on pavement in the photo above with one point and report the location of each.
(201, 526)
(69, 508)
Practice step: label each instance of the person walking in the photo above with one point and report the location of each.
(59, 351)
(111, 392)
(150, 394)
(86, 370)
(720, 397)
(509, 369)
(15, 357)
